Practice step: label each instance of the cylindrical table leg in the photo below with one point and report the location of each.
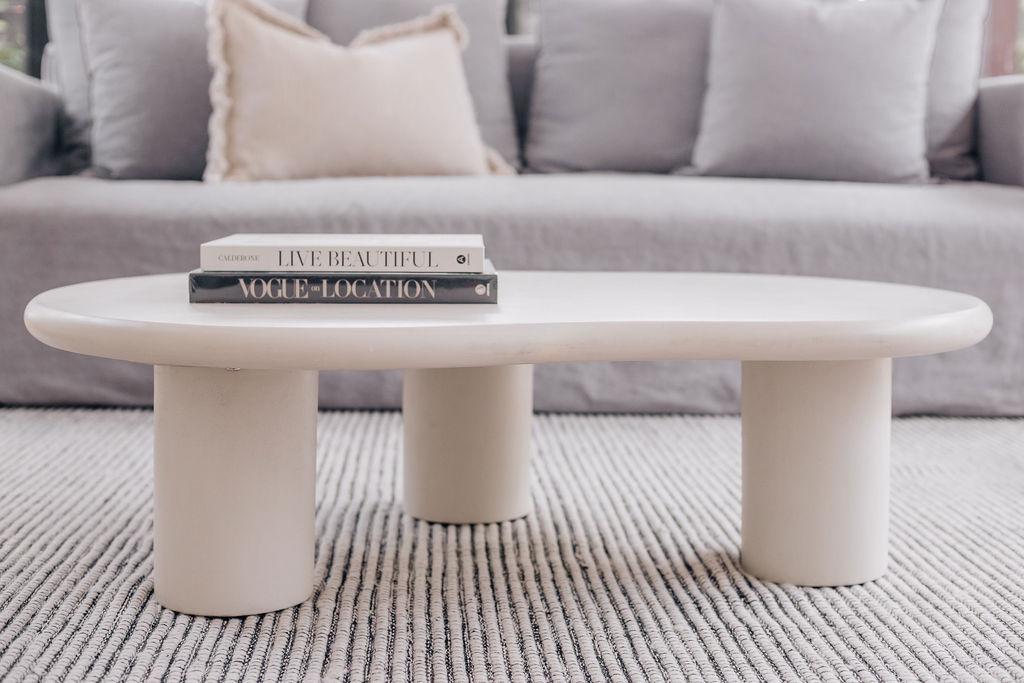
(816, 470)
(235, 481)
(467, 443)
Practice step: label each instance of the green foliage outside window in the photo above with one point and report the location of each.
(1020, 40)
(12, 56)
(13, 33)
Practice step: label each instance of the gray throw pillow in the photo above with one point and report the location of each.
(484, 57)
(825, 91)
(65, 31)
(149, 85)
(618, 85)
(72, 77)
(953, 89)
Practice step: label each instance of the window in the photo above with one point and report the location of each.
(13, 33)
(1020, 39)
(1004, 38)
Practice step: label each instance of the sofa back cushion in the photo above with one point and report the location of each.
(618, 85)
(522, 53)
(72, 74)
(484, 58)
(398, 103)
(148, 81)
(804, 89)
(953, 80)
(953, 89)
(586, 48)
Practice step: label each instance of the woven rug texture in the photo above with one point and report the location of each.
(627, 569)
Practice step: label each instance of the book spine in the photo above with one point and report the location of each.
(332, 288)
(374, 259)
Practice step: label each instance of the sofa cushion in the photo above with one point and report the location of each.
(397, 104)
(960, 236)
(833, 91)
(618, 85)
(484, 57)
(522, 56)
(30, 112)
(149, 81)
(953, 89)
(72, 74)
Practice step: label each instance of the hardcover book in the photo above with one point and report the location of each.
(343, 253)
(343, 288)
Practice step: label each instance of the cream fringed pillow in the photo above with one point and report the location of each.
(288, 103)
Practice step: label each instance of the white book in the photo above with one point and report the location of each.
(344, 253)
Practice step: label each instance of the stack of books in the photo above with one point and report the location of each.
(344, 269)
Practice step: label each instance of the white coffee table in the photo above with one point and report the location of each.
(236, 400)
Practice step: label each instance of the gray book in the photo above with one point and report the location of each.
(206, 287)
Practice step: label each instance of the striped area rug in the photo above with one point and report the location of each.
(627, 570)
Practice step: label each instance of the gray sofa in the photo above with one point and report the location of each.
(966, 236)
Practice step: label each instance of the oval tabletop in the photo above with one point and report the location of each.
(541, 317)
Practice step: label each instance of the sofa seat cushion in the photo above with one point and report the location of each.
(960, 236)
